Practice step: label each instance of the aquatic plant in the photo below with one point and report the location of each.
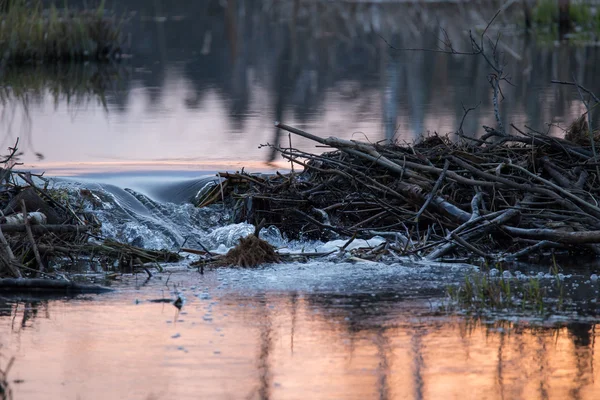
(495, 289)
(31, 33)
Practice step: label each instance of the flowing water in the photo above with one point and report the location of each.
(200, 93)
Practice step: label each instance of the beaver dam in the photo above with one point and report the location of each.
(45, 232)
(496, 197)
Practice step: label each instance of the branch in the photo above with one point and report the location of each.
(578, 86)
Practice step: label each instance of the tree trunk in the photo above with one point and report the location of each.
(527, 12)
(564, 19)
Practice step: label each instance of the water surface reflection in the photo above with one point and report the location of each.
(228, 344)
(208, 79)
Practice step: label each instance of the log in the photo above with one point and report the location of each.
(46, 285)
(554, 235)
(34, 203)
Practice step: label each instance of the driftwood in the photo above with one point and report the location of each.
(497, 196)
(114, 250)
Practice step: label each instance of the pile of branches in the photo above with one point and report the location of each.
(42, 233)
(496, 196)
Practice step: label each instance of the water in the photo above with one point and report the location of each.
(248, 335)
(200, 93)
(326, 328)
(205, 84)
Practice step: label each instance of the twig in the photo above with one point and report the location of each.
(12, 261)
(590, 130)
(578, 86)
(468, 246)
(480, 230)
(36, 252)
(460, 131)
(434, 191)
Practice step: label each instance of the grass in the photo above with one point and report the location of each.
(493, 290)
(30, 33)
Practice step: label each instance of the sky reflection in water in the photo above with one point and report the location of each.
(230, 344)
(206, 83)
(202, 92)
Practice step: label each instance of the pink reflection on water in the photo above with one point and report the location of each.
(278, 345)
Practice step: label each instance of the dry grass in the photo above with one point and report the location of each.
(579, 132)
(250, 252)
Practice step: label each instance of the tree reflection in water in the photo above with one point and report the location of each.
(324, 67)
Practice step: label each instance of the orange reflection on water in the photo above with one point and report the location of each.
(79, 168)
(285, 346)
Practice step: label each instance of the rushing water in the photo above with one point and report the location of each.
(200, 93)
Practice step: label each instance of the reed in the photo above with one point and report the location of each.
(32, 33)
(494, 289)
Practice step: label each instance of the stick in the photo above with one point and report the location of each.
(530, 249)
(554, 235)
(493, 79)
(347, 243)
(480, 230)
(436, 187)
(468, 246)
(194, 251)
(590, 130)
(578, 86)
(36, 252)
(12, 261)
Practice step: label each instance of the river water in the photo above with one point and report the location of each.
(320, 331)
(205, 83)
(199, 94)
